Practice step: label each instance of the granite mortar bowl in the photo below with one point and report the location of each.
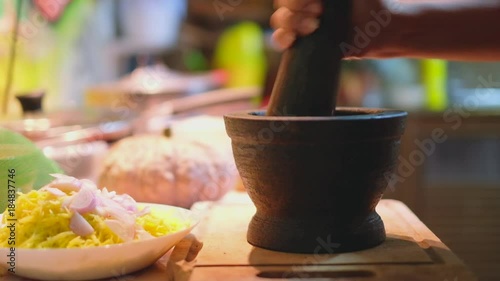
(315, 181)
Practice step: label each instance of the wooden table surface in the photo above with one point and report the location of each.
(411, 252)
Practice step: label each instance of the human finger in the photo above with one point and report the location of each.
(283, 38)
(294, 5)
(285, 18)
(297, 22)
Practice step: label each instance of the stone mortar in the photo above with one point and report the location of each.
(316, 181)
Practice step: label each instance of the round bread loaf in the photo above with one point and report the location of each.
(194, 164)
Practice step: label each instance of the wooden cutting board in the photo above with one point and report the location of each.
(224, 236)
(411, 252)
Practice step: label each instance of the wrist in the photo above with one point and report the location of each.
(378, 30)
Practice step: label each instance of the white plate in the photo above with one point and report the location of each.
(97, 262)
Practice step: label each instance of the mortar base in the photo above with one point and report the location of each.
(314, 236)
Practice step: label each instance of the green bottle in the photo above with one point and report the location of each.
(240, 51)
(434, 80)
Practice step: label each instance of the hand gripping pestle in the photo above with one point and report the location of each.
(308, 75)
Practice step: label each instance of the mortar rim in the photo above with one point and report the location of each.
(365, 114)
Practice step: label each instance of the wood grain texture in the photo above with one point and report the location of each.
(224, 235)
(412, 251)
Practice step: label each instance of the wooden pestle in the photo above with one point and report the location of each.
(308, 75)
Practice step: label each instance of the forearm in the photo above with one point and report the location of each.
(445, 29)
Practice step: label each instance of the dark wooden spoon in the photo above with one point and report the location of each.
(308, 75)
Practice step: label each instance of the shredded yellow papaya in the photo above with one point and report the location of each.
(42, 222)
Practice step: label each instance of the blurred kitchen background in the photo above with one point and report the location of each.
(128, 67)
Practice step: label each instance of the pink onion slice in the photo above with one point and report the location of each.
(66, 201)
(79, 225)
(54, 191)
(108, 194)
(59, 176)
(126, 233)
(99, 209)
(110, 209)
(146, 210)
(127, 202)
(83, 201)
(65, 183)
(107, 202)
(143, 234)
(121, 215)
(88, 183)
(83, 196)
